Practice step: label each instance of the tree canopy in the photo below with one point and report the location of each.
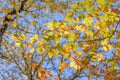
(59, 39)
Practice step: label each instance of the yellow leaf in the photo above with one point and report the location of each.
(9, 16)
(74, 65)
(51, 25)
(105, 42)
(34, 38)
(75, 47)
(66, 55)
(88, 21)
(110, 47)
(6, 22)
(50, 54)
(94, 58)
(100, 55)
(91, 34)
(17, 44)
(67, 48)
(68, 17)
(79, 52)
(40, 49)
(78, 27)
(97, 24)
(76, 20)
(74, 5)
(15, 37)
(7, 10)
(14, 24)
(26, 56)
(33, 23)
(32, 50)
(23, 36)
(105, 48)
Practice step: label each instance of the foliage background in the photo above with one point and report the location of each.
(59, 39)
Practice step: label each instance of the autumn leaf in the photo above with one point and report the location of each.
(50, 54)
(59, 37)
(7, 10)
(79, 52)
(23, 37)
(72, 37)
(40, 49)
(27, 56)
(76, 20)
(14, 24)
(51, 25)
(97, 25)
(63, 65)
(30, 45)
(17, 44)
(85, 48)
(105, 48)
(68, 17)
(99, 56)
(74, 65)
(94, 58)
(34, 38)
(9, 16)
(32, 50)
(33, 23)
(35, 65)
(15, 37)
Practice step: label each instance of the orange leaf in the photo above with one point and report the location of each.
(64, 65)
(97, 24)
(29, 45)
(34, 66)
(78, 61)
(100, 55)
(56, 78)
(95, 15)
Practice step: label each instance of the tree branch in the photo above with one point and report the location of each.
(7, 20)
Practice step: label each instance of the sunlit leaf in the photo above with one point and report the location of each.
(33, 23)
(50, 54)
(72, 37)
(51, 25)
(17, 44)
(105, 48)
(66, 55)
(94, 58)
(30, 45)
(68, 17)
(74, 65)
(9, 16)
(63, 65)
(34, 38)
(40, 49)
(23, 37)
(99, 56)
(32, 50)
(14, 24)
